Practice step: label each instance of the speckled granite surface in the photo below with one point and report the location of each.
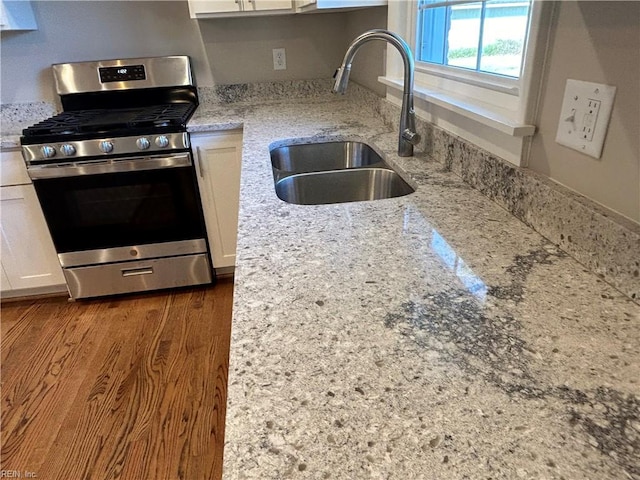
(428, 336)
(266, 91)
(16, 116)
(605, 242)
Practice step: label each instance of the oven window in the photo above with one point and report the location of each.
(121, 209)
(112, 206)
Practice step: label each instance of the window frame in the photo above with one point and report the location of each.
(494, 114)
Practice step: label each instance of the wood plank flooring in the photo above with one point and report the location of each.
(132, 387)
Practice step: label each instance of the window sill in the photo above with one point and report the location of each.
(487, 115)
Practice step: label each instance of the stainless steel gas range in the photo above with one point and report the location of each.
(114, 175)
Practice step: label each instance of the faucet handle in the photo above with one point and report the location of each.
(412, 137)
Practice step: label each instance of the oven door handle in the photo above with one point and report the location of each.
(97, 167)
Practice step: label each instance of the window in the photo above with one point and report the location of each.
(484, 36)
(478, 70)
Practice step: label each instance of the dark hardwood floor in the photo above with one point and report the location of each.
(132, 387)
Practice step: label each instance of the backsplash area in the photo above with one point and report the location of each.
(265, 91)
(604, 242)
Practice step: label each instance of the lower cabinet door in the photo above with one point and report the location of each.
(218, 159)
(29, 259)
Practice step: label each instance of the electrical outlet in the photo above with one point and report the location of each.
(279, 59)
(590, 119)
(584, 118)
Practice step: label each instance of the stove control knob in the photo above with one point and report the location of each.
(162, 141)
(105, 146)
(47, 151)
(143, 143)
(68, 149)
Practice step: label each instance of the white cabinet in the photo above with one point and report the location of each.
(218, 157)
(28, 257)
(230, 8)
(239, 8)
(309, 6)
(17, 15)
(199, 8)
(264, 5)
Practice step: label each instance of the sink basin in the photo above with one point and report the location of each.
(338, 186)
(317, 157)
(333, 172)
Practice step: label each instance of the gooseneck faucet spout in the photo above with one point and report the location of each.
(408, 136)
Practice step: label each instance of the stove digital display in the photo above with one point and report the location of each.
(123, 73)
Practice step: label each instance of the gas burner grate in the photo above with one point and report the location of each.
(106, 120)
(164, 114)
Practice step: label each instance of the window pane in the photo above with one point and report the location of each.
(452, 35)
(504, 35)
(464, 35)
(432, 35)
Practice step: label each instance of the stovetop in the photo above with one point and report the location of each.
(96, 123)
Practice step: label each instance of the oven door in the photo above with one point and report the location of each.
(121, 209)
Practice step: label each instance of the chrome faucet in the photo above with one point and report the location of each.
(408, 136)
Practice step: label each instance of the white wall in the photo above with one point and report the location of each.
(370, 61)
(93, 30)
(239, 50)
(595, 41)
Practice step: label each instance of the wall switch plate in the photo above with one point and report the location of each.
(585, 114)
(279, 59)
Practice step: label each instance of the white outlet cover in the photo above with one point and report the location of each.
(580, 126)
(279, 59)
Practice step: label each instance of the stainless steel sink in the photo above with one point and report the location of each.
(316, 157)
(333, 172)
(338, 186)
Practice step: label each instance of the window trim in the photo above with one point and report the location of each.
(489, 115)
(510, 86)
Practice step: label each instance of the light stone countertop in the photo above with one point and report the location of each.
(428, 336)
(15, 117)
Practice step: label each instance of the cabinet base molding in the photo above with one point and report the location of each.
(34, 293)
(225, 272)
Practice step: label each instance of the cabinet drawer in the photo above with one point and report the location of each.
(13, 171)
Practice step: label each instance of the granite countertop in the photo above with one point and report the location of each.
(15, 117)
(427, 336)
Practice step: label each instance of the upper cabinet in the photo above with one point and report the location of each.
(310, 6)
(240, 8)
(17, 15)
(270, 5)
(237, 8)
